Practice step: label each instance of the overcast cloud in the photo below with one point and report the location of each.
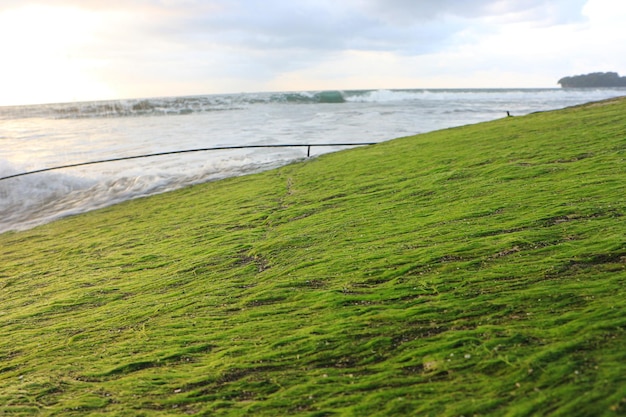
(98, 49)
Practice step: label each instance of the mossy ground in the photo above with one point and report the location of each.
(479, 270)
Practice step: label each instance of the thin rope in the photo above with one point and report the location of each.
(217, 148)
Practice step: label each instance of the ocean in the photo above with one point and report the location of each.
(39, 137)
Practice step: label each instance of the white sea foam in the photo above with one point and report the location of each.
(36, 199)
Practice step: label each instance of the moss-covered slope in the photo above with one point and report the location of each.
(479, 270)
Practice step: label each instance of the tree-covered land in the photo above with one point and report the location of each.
(594, 79)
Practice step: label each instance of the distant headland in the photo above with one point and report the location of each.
(594, 79)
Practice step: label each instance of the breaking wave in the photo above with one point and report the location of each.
(33, 200)
(228, 102)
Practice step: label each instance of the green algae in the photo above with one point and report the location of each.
(472, 271)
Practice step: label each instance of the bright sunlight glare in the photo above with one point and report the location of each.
(39, 53)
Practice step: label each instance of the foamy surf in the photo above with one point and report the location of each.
(32, 200)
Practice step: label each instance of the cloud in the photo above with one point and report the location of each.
(405, 26)
(307, 30)
(157, 47)
(278, 36)
(408, 11)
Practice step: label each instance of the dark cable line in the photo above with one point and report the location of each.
(217, 148)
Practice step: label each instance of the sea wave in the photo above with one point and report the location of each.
(119, 108)
(165, 106)
(33, 200)
(196, 104)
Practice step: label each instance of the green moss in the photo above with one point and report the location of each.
(472, 271)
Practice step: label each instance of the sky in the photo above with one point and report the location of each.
(79, 50)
